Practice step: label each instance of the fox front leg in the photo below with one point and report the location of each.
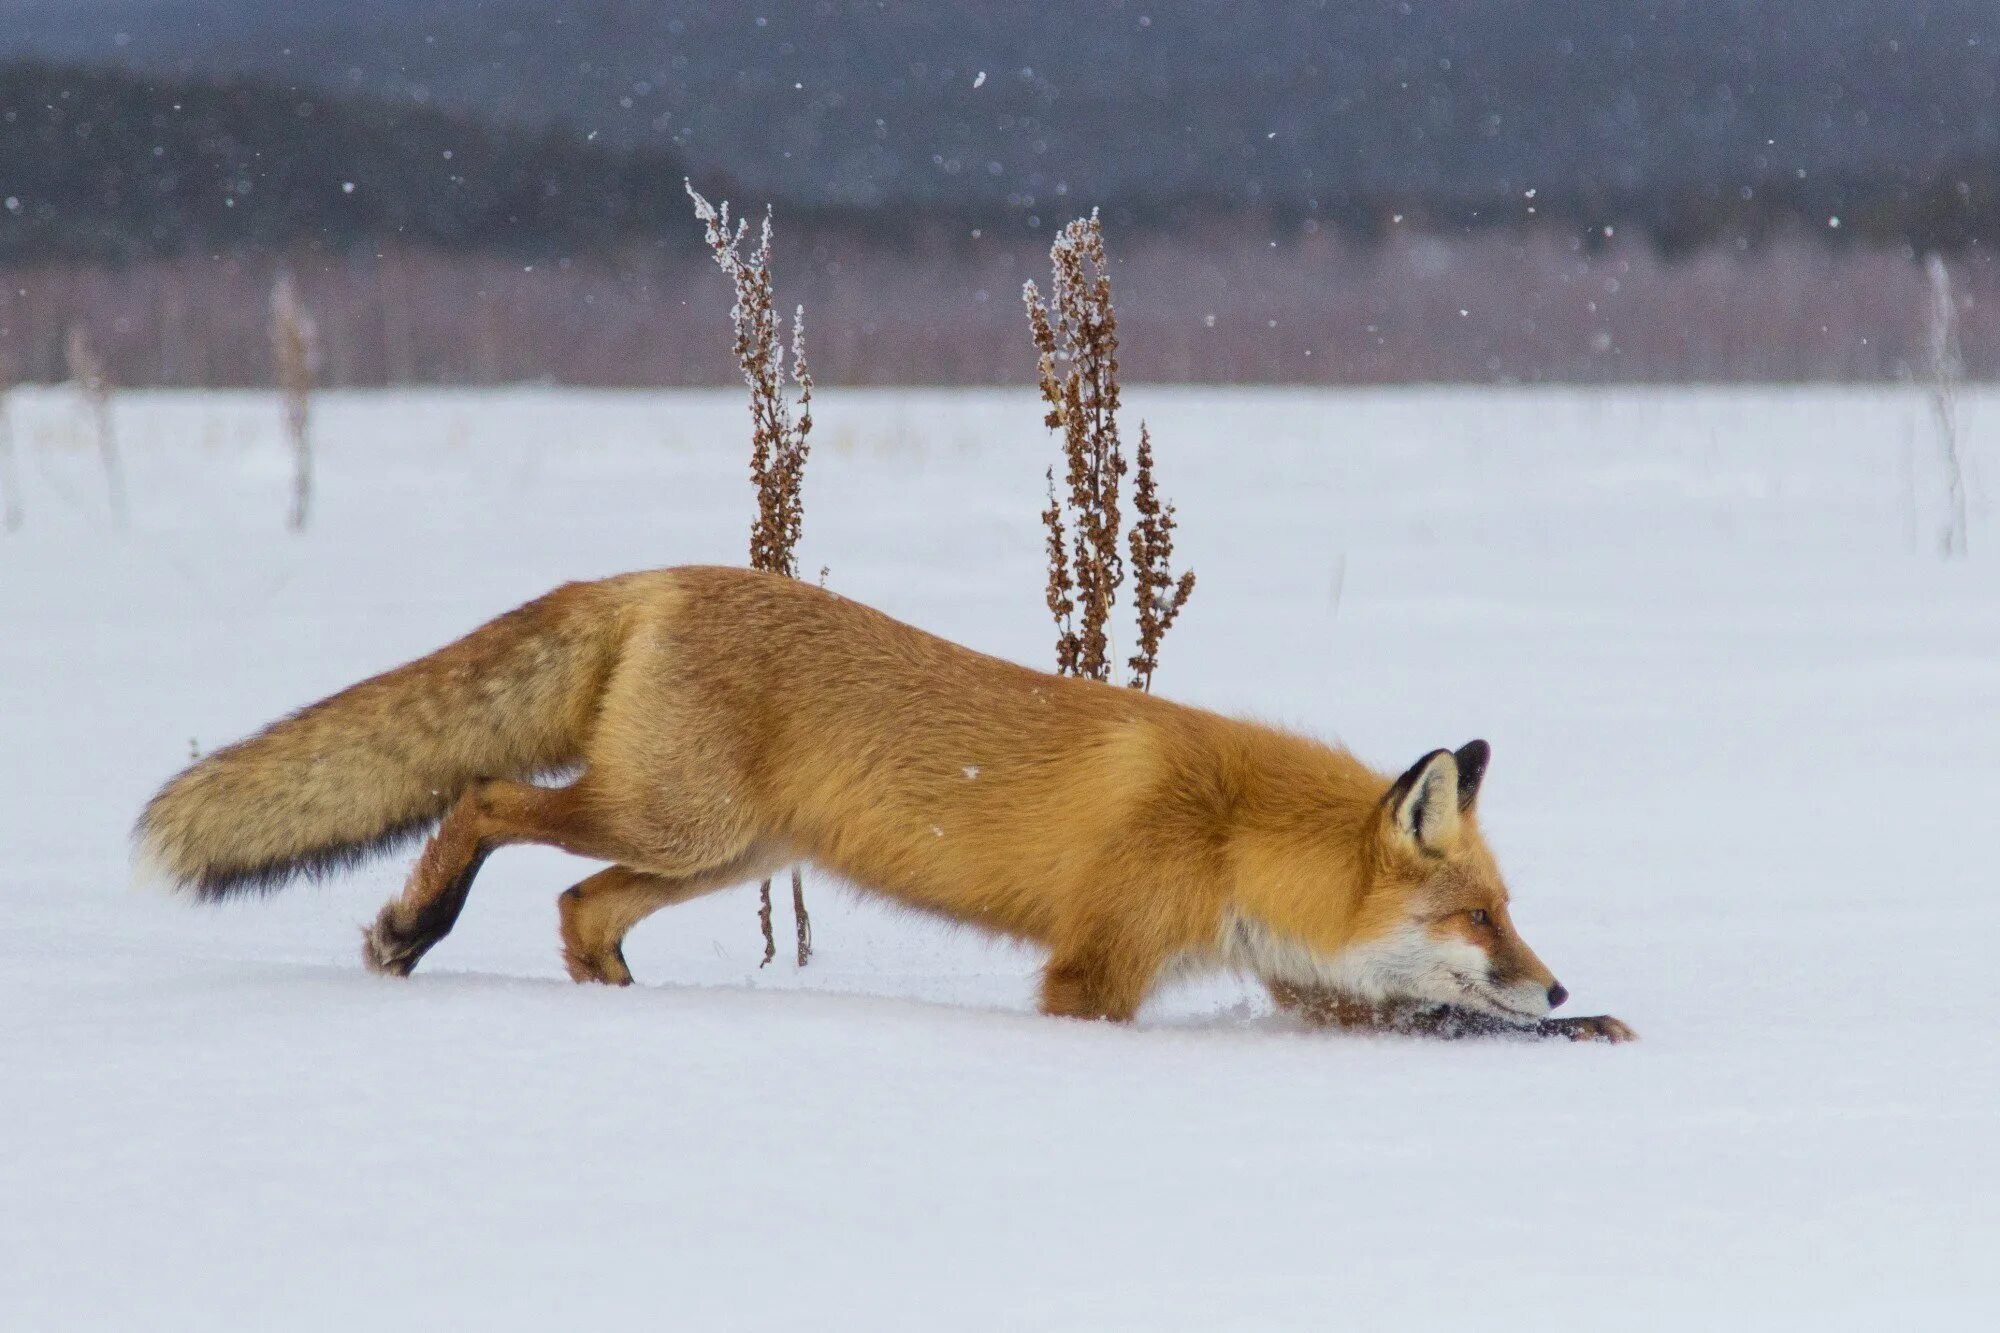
(1453, 1024)
(1327, 1008)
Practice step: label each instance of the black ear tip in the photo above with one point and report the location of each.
(1472, 757)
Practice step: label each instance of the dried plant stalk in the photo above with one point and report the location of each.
(295, 355)
(86, 368)
(779, 441)
(800, 920)
(1947, 368)
(1157, 594)
(1076, 340)
(1062, 587)
(764, 922)
(10, 476)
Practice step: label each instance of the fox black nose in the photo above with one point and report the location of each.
(1557, 995)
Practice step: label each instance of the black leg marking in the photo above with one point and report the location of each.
(394, 946)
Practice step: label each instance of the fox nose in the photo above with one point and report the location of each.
(1557, 994)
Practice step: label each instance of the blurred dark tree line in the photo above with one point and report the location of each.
(98, 164)
(106, 165)
(1024, 105)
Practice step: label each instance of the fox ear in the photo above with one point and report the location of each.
(1423, 804)
(1472, 758)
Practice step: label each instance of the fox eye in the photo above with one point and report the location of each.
(1479, 917)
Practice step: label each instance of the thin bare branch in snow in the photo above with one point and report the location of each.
(87, 370)
(1947, 369)
(295, 355)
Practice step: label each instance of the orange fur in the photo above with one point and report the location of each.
(728, 723)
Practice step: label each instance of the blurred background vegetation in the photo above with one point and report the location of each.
(1295, 191)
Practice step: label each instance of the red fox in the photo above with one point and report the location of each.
(724, 724)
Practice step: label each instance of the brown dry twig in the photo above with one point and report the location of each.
(1062, 587)
(1076, 337)
(10, 477)
(1076, 340)
(779, 441)
(88, 370)
(1158, 595)
(295, 355)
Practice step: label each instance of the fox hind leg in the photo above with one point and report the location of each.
(494, 813)
(598, 913)
(708, 842)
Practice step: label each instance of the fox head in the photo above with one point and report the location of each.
(1426, 918)
(1433, 922)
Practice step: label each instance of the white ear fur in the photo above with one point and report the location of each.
(1426, 812)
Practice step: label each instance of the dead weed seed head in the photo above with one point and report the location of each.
(779, 442)
(1075, 334)
(1076, 341)
(1158, 595)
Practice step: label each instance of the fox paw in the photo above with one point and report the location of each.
(387, 951)
(608, 968)
(1597, 1027)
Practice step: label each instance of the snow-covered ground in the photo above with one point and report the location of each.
(1747, 736)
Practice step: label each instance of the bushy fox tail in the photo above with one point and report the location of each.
(381, 761)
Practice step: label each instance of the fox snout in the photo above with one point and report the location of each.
(1514, 976)
(1527, 990)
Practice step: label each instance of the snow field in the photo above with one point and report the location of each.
(1747, 744)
